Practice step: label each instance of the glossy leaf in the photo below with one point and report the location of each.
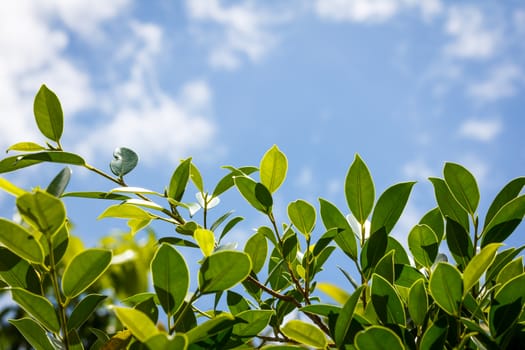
(386, 301)
(223, 270)
(424, 245)
(273, 168)
(255, 193)
(11, 188)
(236, 302)
(48, 114)
(83, 270)
(252, 322)
(378, 338)
(507, 306)
(459, 243)
(333, 218)
(418, 302)
(179, 180)
(389, 206)
(344, 320)
(171, 278)
(38, 307)
(507, 193)
(17, 272)
(359, 190)
(502, 259)
(43, 211)
(478, 265)
(504, 221)
(137, 322)
(463, 186)
(302, 215)
(59, 183)
(33, 333)
(83, 310)
(446, 287)
(305, 333)
(124, 161)
(448, 205)
(206, 240)
(257, 248)
(20, 241)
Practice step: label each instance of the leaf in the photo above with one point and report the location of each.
(96, 195)
(436, 335)
(26, 147)
(13, 163)
(359, 190)
(48, 114)
(333, 218)
(144, 203)
(11, 188)
(478, 265)
(52, 157)
(459, 243)
(389, 207)
(511, 270)
(167, 342)
(125, 211)
(223, 270)
(20, 241)
(257, 248)
(446, 287)
(378, 338)
(206, 240)
(434, 220)
(418, 302)
(333, 291)
(196, 178)
(373, 250)
(124, 160)
(35, 335)
(448, 205)
(305, 333)
(273, 168)
(38, 307)
(229, 225)
(178, 241)
(423, 244)
(302, 216)
(17, 272)
(171, 278)
(463, 186)
(83, 270)
(344, 320)
(255, 193)
(135, 190)
(59, 183)
(137, 322)
(43, 211)
(83, 310)
(387, 303)
(210, 327)
(507, 306)
(386, 266)
(507, 193)
(227, 181)
(504, 221)
(252, 322)
(179, 180)
(236, 302)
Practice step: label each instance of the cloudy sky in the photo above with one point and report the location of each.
(407, 84)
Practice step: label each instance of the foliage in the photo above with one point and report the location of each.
(73, 298)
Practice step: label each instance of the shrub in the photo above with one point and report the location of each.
(71, 298)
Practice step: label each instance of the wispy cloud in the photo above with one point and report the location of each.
(502, 81)
(481, 130)
(418, 170)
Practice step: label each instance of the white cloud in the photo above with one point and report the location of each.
(501, 82)
(417, 170)
(472, 37)
(481, 130)
(305, 177)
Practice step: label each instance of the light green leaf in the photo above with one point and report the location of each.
(302, 216)
(17, 272)
(423, 244)
(48, 114)
(83, 270)
(334, 292)
(252, 322)
(448, 205)
(418, 302)
(20, 241)
(273, 168)
(162, 341)
(179, 180)
(210, 327)
(255, 193)
(131, 189)
(387, 303)
(389, 206)
(125, 211)
(11, 188)
(26, 147)
(33, 333)
(305, 333)
(171, 278)
(378, 338)
(196, 178)
(504, 221)
(124, 160)
(206, 240)
(359, 190)
(223, 270)
(509, 271)
(137, 322)
(434, 220)
(83, 310)
(446, 287)
(463, 186)
(257, 248)
(59, 183)
(43, 211)
(478, 265)
(38, 307)
(144, 203)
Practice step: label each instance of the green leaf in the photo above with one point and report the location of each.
(26, 147)
(463, 186)
(344, 320)
(135, 190)
(124, 160)
(20, 241)
(386, 301)
(223, 270)
(305, 333)
(378, 338)
(333, 218)
(83, 270)
(418, 302)
(35, 335)
(507, 193)
(59, 183)
(359, 190)
(206, 240)
(236, 302)
(436, 335)
(502, 259)
(229, 225)
(168, 342)
(423, 244)
(52, 157)
(446, 287)
(459, 243)
(321, 309)
(48, 114)
(334, 292)
(448, 205)
(38, 307)
(389, 206)
(373, 250)
(17, 272)
(227, 181)
(257, 248)
(406, 275)
(386, 266)
(125, 211)
(434, 220)
(179, 180)
(210, 328)
(83, 310)
(507, 306)
(11, 188)
(96, 195)
(255, 193)
(478, 265)
(504, 221)
(302, 216)
(273, 168)
(196, 178)
(171, 278)
(13, 163)
(43, 211)
(252, 322)
(511, 270)
(137, 322)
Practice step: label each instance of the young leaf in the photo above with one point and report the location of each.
(389, 206)
(20, 241)
(446, 287)
(179, 180)
(257, 248)
(124, 160)
(59, 183)
(273, 168)
(418, 302)
(38, 307)
(378, 338)
(26, 147)
(448, 205)
(206, 240)
(171, 278)
(387, 303)
(33, 333)
(478, 265)
(83, 310)
(463, 186)
(424, 244)
(359, 190)
(223, 270)
(43, 211)
(83, 270)
(302, 215)
(48, 114)
(125, 211)
(504, 221)
(137, 322)
(333, 218)
(305, 333)
(333, 291)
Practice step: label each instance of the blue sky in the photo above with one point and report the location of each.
(406, 84)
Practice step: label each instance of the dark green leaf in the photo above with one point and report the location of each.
(386, 266)
(434, 220)
(223, 270)
(389, 206)
(33, 333)
(463, 186)
(459, 243)
(196, 178)
(17, 272)
(424, 244)
(83, 270)
(273, 168)
(373, 250)
(59, 183)
(343, 322)
(48, 114)
(124, 160)
(252, 322)
(406, 275)
(52, 157)
(20, 241)
(435, 336)
(38, 307)
(179, 180)
(97, 195)
(504, 221)
(386, 301)
(378, 338)
(507, 193)
(178, 241)
(345, 236)
(448, 205)
(220, 220)
(43, 211)
(257, 248)
(236, 302)
(511, 270)
(418, 302)
(209, 328)
(446, 287)
(502, 259)
(401, 256)
(507, 306)
(322, 309)
(359, 190)
(84, 310)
